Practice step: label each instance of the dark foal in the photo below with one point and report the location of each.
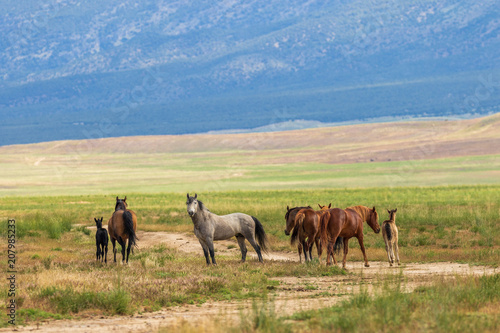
(101, 241)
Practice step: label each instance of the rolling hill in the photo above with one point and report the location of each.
(368, 155)
(83, 70)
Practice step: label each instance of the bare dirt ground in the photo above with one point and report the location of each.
(292, 295)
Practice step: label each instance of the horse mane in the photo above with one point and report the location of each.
(388, 229)
(202, 206)
(121, 203)
(363, 211)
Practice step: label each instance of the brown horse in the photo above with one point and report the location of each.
(342, 224)
(122, 226)
(290, 224)
(307, 230)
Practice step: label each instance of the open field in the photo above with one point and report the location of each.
(442, 176)
(426, 153)
(58, 276)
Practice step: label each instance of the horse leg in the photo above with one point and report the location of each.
(305, 249)
(299, 248)
(397, 250)
(122, 244)
(210, 242)
(243, 247)
(392, 253)
(319, 247)
(128, 249)
(346, 249)
(97, 253)
(386, 241)
(329, 253)
(256, 247)
(204, 246)
(113, 241)
(310, 243)
(105, 253)
(388, 250)
(360, 241)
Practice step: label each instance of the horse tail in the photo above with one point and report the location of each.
(261, 235)
(388, 231)
(339, 244)
(299, 219)
(129, 228)
(325, 218)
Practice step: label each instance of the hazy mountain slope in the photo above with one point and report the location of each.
(97, 69)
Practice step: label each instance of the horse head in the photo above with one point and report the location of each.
(373, 221)
(98, 223)
(325, 207)
(121, 204)
(392, 214)
(192, 204)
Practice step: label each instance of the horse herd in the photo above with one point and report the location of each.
(331, 226)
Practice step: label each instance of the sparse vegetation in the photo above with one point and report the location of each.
(58, 276)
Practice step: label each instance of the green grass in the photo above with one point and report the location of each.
(232, 170)
(58, 274)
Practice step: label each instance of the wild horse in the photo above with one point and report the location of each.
(122, 227)
(101, 241)
(209, 227)
(307, 231)
(390, 233)
(339, 225)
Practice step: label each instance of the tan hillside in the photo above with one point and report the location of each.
(393, 141)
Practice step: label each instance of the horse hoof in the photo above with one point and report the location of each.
(367, 265)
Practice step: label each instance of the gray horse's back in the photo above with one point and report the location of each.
(227, 226)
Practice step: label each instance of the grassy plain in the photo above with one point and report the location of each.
(58, 276)
(443, 178)
(426, 153)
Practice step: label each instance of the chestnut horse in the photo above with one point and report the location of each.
(122, 226)
(346, 223)
(307, 227)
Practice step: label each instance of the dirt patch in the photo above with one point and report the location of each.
(291, 295)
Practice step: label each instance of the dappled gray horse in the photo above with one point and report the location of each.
(209, 227)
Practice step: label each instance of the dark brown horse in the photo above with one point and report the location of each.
(290, 224)
(339, 225)
(121, 227)
(307, 230)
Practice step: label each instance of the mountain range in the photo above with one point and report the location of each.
(90, 69)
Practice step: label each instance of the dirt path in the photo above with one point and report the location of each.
(292, 294)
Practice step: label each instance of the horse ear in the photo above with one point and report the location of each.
(116, 198)
(195, 195)
(95, 219)
(388, 211)
(373, 208)
(320, 206)
(187, 195)
(287, 208)
(330, 205)
(395, 210)
(125, 199)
